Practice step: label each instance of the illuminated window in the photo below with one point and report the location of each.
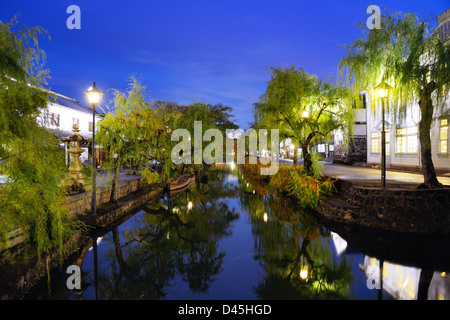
(443, 136)
(388, 139)
(375, 142)
(406, 140)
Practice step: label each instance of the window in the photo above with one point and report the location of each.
(443, 89)
(361, 104)
(387, 142)
(406, 140)
(376, 141)
(443, 136)
(54, 119)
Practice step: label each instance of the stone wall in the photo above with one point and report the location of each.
(373, 199)
(82, 202)
(355, 151)
(400, 209)
(133, 194)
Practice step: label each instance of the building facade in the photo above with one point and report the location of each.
(402, 136)
(353, 148)
(62, 113)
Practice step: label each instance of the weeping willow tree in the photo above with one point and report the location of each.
(129, 131)
(304, 108)
(415, 61)
(30, 159)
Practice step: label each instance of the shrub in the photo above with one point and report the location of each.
(294, 181)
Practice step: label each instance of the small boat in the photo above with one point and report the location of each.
(181, 182)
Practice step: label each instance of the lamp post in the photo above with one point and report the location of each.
(382, 92)
(94, 96)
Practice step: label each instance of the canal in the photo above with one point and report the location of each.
(227, 237)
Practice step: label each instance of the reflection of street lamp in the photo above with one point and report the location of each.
(304, 272)
(94, 97)
(265, 215)
(382, 92)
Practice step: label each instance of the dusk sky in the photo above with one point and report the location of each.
(212, 51)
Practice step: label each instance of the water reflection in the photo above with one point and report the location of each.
(228, 237)
(292, 248)
(174, 238)
(408, 267)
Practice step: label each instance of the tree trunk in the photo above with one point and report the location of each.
(424, 284)
(115, 185)
(426, 107)
(295, 155)
(117, 247)
(307, 161)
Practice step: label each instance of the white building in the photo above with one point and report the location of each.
(402, 282)
(353, 149)
(399, 281)
(402, 140)
(60, 116)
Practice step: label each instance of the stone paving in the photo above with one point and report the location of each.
(343, 172)
(104, 179)
(356, 173)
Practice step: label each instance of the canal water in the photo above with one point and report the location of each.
(227, 237)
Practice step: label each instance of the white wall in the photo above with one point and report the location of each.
(412, 119)
(66, 116)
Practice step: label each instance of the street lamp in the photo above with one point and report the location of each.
(305, 114)
(382, 92)
(94, 96)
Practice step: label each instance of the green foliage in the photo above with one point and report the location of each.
(138, 131)
(296, 182)
(316, 165)
(130, 131)
(304, 108)
(211, 116)
(412, 58)
(150, 176)
(32, 198)
(406, 52)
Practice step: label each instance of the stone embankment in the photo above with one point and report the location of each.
(398, 207)
(18, 278)
(132, 194)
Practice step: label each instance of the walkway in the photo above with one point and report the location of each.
(355, 173)
(104, 179)
(343, 172)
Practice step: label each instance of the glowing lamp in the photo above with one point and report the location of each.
(94, 95)
(382, 90)
(304, 272)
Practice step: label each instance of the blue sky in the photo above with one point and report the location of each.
(212, 51)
